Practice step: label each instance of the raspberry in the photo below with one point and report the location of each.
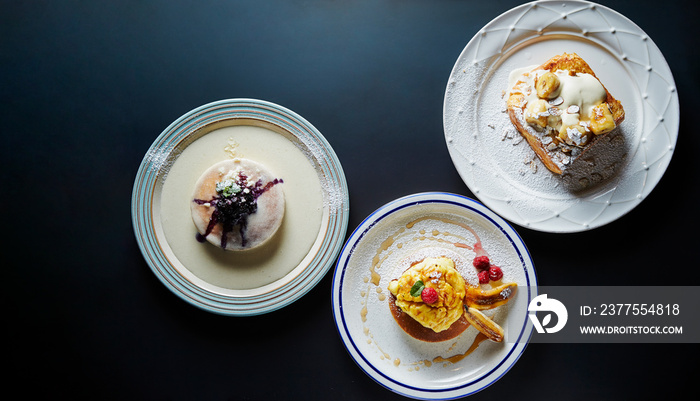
(429, 295)
(484, 277)
(495, 273)
(482, 262)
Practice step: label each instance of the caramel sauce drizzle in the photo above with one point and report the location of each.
(381, 255)
(458, 357)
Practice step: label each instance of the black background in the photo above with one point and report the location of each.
(87, 86)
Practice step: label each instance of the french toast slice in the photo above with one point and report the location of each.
(561, 109)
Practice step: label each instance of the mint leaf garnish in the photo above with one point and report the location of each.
(227, 188)
(417, 288)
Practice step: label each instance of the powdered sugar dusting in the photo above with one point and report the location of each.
(502, 170)
(462, 264)
(582, 171)
(334, 195)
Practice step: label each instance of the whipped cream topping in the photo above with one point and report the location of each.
(573, 100)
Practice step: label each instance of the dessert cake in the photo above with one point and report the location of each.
(237, 205)
(431, 292)
(561, 108)
(432, 302)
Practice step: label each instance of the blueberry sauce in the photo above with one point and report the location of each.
(233, 203)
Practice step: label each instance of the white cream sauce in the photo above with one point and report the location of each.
(581, 90)
(292, 242)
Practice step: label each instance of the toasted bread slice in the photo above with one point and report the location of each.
(561, 108)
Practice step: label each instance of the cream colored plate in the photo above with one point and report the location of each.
(283, 269)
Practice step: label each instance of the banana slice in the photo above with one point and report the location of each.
(479, 299)
(536, 113)
(481, 322)
(547, 85)
(602, 120)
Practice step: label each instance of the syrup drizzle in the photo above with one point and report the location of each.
(458, 357)
(397, 240)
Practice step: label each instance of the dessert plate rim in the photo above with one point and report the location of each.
(352, 337)
(654, 139)
(155, 167)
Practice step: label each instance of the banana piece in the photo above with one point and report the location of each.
(536, 112)
(602, 120)
(547, 85)
(481, 322)
(481, 300)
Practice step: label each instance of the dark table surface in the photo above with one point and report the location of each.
(87, 86)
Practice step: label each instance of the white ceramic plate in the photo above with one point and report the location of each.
(284, 268)
(501, 169)
(375, 254)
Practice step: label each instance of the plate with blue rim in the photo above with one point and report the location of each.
(375, 253)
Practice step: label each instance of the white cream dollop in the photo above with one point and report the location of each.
(582, 91)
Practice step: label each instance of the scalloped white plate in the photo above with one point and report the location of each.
(376, 253)
(286, 267)
(501, 169)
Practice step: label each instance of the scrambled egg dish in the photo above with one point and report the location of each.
(441, 275)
